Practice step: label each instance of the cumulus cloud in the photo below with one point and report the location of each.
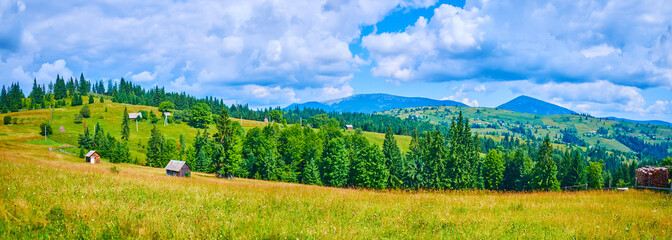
(624, 42)
(48, 71)
(233, 44)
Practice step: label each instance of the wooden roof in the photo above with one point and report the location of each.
(175, 165)
(90, 153)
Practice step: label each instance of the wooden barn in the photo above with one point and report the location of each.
(349, 127)
(93, 157)
(177, 168)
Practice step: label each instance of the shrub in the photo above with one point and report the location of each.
(85, 112)
(187, 174)
(114, 169)
(45, 128)
(7, 120)
(102, 100)
(78, 118)
(90, 99)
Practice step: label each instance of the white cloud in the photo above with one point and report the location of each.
(48, 71)
(599, 51)
(621, 41)
(144, 77)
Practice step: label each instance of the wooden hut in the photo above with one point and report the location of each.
(177, 168)
(349, 127)
(93, 157)
(61, 129)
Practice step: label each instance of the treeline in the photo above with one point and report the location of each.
(329, 157)
(647, 150)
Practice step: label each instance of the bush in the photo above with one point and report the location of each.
(78, 118)
(7, 120)
(85, 112)
(102, 100)
(90, 99)
(114, 169)
(187, 174)
(45, 126)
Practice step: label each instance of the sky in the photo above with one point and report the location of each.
(604, 58)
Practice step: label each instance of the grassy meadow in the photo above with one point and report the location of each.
(49, 194)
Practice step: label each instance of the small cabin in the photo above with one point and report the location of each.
(349, 127)
(265, 120)
(134, 116)
(61, 129)
(92, 157)
(177, 168)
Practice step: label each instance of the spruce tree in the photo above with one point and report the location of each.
(493, 170)
(155, 147)
(125, 130)
(336, 167)
(544, 174)
(393, 159)
(312, 174)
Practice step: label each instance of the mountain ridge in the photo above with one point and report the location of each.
(373, 102)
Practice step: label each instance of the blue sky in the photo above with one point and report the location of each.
(605, 58)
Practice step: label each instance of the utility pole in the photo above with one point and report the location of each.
(45, 133)
(136, 124)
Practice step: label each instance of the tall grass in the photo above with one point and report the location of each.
(50, 195)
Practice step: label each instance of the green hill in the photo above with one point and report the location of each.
(497, 122)
(109, 116)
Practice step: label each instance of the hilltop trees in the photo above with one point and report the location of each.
(200, 115)
(227, 160)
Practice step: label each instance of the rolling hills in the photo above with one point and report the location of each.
(48, 194)
(370, 103)
(497, 122)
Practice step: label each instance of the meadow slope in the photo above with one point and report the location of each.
(48, 194)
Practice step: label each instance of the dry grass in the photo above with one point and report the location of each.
(51, 195)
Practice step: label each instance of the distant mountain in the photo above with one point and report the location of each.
(525, 104)
(378, 102)
(654, 122)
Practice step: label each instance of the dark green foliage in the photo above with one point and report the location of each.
(121, 153)
(393, 160)
(7, 120)
(200, 116)
(666, 162)
(335, 166)
(516, 172)
(493, 170)
(85, 141)
(226, 163)
(37, 96)
(166, 106)
(154, 148)
(125, 129)
(594, 172)
(90, 99)
(60, 92)
(76, 99)
(311, 175)
(45, 128)
(85, 111)
(102, 100)
(544, 174)
(152, 117)
(370, 170)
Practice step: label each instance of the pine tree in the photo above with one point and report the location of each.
(60, 91)
(4, 100)
(336, 166)
(37, 96)
(125, 130)
(393, 159)
(370, 171)
(514, 172)
(85, 141)
(312, 174)
(155, 147)
(227, 133)
(544, 175)
(493, 170)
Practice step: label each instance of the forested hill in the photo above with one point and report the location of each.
(370, 103)
(525, 104)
